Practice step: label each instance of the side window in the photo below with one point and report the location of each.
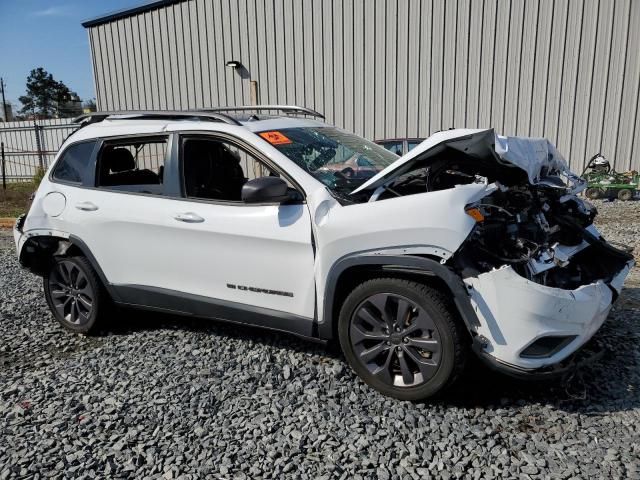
(134, 165)
(214, 169)
(411, 144)
(72, 165)
(393, 146)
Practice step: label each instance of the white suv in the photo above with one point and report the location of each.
(470, 242)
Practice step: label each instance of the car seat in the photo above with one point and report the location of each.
(118, 167)
(212, 171)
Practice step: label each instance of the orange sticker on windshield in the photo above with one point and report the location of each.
(275, 138)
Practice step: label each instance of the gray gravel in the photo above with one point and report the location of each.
(165, 397)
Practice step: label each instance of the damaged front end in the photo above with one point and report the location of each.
(540, 277)
(546, 236)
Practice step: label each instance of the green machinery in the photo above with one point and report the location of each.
(605, 182)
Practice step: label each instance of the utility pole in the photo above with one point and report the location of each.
(4, 102)
(4, 179)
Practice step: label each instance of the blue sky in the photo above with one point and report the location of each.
(49, 34)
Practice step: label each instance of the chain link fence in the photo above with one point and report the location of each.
(31, 145)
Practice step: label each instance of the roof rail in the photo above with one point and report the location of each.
(257, 108)
(95, 117)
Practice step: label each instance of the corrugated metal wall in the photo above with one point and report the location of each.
(568, 70)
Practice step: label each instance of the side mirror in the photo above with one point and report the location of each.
(265, 190)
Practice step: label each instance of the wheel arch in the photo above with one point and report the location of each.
(39, 250)
(352, 270)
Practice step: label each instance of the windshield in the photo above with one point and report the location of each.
(341, 160)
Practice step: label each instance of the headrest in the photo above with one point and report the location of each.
(235, 155)
(119, 160)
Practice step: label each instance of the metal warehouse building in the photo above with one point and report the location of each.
(568, 70)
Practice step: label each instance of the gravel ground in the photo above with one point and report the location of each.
(165, 397)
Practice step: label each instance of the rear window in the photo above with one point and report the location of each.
(74, 162)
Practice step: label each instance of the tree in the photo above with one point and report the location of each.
(90, 105)
(46, 97)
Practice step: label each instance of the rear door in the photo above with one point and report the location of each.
(120, 215)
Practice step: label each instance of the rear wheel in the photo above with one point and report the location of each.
(74, 293)
(625, 194)
(401, 338)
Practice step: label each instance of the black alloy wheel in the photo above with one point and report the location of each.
(401, 337)
(396, 340)
(74, 293)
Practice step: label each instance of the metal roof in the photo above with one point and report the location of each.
(127, 12)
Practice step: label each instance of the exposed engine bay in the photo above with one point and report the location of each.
(545, 235)
(532, 220)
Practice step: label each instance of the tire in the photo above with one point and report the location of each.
(391, 362)
(75, 294)
(593, 193)
(625, 194)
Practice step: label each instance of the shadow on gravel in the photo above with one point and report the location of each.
(127, 320)
(611, 384)
(589, 390)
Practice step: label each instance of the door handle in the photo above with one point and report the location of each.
(189, 217)
(86, 206)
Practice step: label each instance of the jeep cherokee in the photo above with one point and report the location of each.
(472, 243)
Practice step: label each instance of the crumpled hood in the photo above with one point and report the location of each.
(533, 155)
(536, 156)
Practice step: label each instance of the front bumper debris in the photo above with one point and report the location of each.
(515, 312)
(588, 354)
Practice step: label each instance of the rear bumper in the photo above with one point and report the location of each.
(515, 313)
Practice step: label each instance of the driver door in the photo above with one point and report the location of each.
(256, 256)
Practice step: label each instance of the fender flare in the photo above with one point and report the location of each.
(397, 263)
(86, 251)
(59, 245)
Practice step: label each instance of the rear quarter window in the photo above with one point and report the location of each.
(72, 166)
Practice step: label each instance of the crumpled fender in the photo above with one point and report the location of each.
(431, 223)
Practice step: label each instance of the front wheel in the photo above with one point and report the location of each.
(74, 294)
(401, 338)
